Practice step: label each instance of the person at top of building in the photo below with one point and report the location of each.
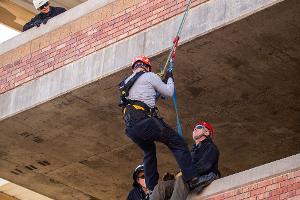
(46, 12)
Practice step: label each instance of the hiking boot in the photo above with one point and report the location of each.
(202, 181)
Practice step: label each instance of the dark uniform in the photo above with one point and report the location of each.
(43, 18)
(206, 157)
(137, 193)
(144, 127)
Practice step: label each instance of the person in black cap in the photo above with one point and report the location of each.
(139, 190)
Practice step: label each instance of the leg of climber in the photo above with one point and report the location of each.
(153, 129)
(150, 161)
(163, 190)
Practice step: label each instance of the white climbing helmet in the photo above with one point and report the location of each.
(39, 3)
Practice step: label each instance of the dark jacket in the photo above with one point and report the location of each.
(205, 156)
(137, 193)
(43, 18)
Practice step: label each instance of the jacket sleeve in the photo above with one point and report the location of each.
(207, 159)
(28, 25)
(165, 89)
(130, 196)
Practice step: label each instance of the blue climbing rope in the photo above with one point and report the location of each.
(179, 129)
(169, 66)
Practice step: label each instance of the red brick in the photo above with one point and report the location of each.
(272, 187)
(250, 187)
(35, 53)
(135, 30)
(297, 173)
(292, 193)
(277, 192)
(58, 65)
(149, 19)
(294, 198)
(84, 48)
(60, 46)
(280, 178)
(284, 196)
(274, 198)
(258, 191)
(145, 26)
(287, 182)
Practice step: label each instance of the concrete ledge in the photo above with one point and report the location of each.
(252, 175)
(201, 20)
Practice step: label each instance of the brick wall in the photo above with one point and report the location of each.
(285, 186)
(83, 36)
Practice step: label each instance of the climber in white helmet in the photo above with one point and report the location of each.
(46, 13)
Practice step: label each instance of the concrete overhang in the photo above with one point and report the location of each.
(243, 78)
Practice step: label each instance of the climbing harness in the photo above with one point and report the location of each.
(170, 63)
(134, 104)
(125, 87)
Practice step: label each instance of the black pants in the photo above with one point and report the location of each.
(145, 132)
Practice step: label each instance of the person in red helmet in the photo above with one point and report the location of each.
(138, 95)
(205, 155)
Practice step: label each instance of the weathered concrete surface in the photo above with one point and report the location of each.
(243, 78)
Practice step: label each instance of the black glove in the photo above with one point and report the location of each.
(168, 176)
(38, 22)
(167, 76)
(46, 20)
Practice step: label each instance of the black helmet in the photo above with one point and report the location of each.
(138, 169)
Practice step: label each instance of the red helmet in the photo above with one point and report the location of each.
(207, 125)
(143, 59)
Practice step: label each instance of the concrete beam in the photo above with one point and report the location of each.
(213, 15)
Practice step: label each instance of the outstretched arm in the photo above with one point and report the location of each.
(165, 89)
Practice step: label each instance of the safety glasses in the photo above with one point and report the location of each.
(44, 5)
(199, 127)
(141, 177)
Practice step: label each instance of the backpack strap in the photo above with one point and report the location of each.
(125, 87)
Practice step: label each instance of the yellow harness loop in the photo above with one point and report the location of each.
(137, 107)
